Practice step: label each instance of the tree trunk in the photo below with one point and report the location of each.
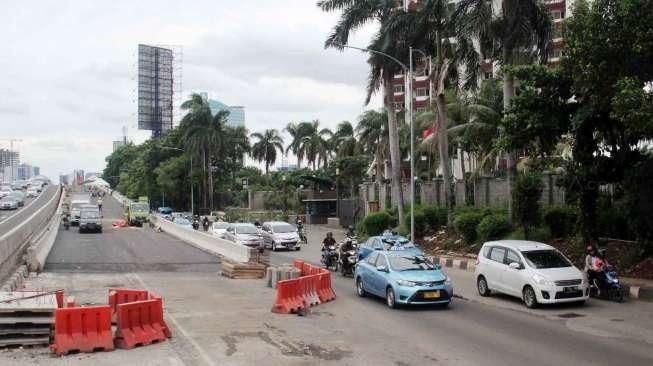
(443, 147)
(463, 171)
(210, 183)
(508, 94)
(395, 154)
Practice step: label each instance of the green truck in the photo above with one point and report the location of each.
(136, 213)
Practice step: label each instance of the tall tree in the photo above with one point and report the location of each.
(372, 132)
(265, 149)
(512, 32)
(315, 143)
(343, 140)
(355, 14)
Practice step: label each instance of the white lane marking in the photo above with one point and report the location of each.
(195, 345)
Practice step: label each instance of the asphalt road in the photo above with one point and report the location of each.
(130, 249)
(9, 218)
(474, 332)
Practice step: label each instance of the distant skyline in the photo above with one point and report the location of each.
(68, 69)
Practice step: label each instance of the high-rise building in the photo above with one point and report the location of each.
(236, 116)
(26, 171)
(8, 158)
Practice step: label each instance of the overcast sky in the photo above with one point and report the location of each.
(68, 68)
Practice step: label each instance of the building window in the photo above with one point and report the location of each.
(487, 75)
(398, 88)
(557, 14)
(398, 105)
(421, 110)
(422, 92)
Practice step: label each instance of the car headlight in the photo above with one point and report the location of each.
(447, 281)
(405, 283)
(541, 280)
(615, 280)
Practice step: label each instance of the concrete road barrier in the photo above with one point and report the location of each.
(206, 242)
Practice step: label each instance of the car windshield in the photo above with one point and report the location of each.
(541, 259)
(90, 214)
(220, 225)
(140, 207)
(246, 229)
(283, 228)
(410, 263)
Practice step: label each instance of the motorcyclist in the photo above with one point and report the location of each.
(347, 245)
(205, 223)
(590, 253)
(328, 241)
(350, 232)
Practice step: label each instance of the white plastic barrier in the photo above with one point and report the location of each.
(206, 242)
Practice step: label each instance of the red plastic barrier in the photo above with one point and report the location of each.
(310, 290)
(325, 291)
(120, 223)
(70, 302)
(166, 330)
(119, 296)
(298, 264)
(59, 296)
(85, 329)
(306, 269)
(140, 323)
(289, 299)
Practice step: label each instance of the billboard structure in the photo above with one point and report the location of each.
(156, 88)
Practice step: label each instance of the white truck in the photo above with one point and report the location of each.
(76, 211)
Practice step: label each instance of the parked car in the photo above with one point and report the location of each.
(218, 228)
(8, 203)
(183, 222)
(279, 234)
(165, 210)
(245, 234)
(32, 192)
(402, 278)
(19, 196)
(387, 242)
(535, 272)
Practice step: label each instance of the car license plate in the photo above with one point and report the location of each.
(432, 295)
(570, 289)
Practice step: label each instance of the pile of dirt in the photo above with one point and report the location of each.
(446, 241)
(643, 269)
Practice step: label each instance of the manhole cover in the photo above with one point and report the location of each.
(570, 315)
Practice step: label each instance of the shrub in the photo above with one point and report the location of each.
(493, 227)
(466, 223)
(560, 220)
(436, 216)
(375, 223)
(426, 218)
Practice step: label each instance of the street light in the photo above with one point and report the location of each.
(409, 108)
(192, 207)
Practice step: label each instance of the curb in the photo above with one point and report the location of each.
(640, 293)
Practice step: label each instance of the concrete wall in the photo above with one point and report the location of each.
(17, 231)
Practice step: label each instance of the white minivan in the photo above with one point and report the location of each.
(535, 272)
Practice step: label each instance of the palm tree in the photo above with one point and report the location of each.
(265, 149)
(295, 130)
(236, 146)
(431, 29)
(315, 143)
(372, 132)
(517, 32)
(202, 135)
(355, 14)
(343, 141)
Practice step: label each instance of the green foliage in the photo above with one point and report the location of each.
(375, 223)
(493, 227)
(427, 218)
(560, 220)
(466, 223)
(528, 191)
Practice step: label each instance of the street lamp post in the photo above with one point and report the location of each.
(408, 70)
(192, 207)
(338, 193)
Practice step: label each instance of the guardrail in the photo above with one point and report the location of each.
(206, 242)
(24, 225)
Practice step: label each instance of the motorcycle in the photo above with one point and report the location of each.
(330, 258)
(66, 223)
(348, 260)
(302, 235)
(606, 285)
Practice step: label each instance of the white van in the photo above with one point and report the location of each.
(75, 211)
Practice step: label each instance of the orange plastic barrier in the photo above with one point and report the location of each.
(120, 223)
(84, 329)
(289, 299)
(119, 296)
(324, 290)
(140, 323)
(297, 264)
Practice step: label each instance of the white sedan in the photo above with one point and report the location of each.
(219, 228)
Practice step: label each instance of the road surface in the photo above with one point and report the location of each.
(11, 218)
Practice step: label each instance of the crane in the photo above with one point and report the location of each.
(11, 149)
